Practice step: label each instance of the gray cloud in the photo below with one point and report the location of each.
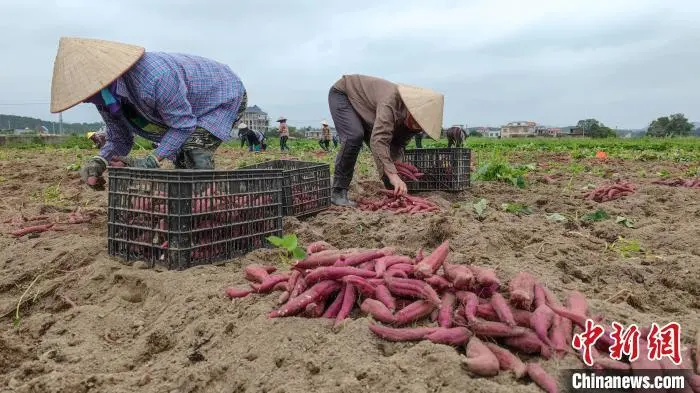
(624, 62)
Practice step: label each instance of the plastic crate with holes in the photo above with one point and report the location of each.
(306, 185)
(443, 169)
(183, 218)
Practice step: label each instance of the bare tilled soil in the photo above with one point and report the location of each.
(89, 323)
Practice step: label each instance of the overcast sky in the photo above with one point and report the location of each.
(624, 62)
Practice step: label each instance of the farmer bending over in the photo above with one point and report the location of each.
(385, 116)
(255, 139)
(187, 104)
(455, 136)
(98, 138)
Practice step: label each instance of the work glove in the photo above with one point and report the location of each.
(91, 172)
(150, 161)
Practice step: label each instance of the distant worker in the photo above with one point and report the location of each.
(254, 139)
(385, 116)
(455, 136)
(284, 133)
(419, 139)
(336, 141)
(188, 104)
(98, 138)
(325, 140)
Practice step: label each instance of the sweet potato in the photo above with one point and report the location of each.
(431, 263)
(542, 378)
(377, 310)
(384, 296)
(366, 266)
(438, 282)
(459, 275)
(317, 292)
(402, 267)
(577, 303)
(578, 319)
(317, 247)
(333, 310)
(384, 263)
(697, 352)
(315, 309)
(485, 277)
(522, 290)
(502, 309)
(412, 288)
(322, 258)
(486, 311)
(419, 256)
(522, 317)
(528, 343)
(480, 360)
(270, 282)
(557, 336)
(335, 273)
(446, 310)
(358, 258)
(413, 312)
(541, 321)
(31, 229)
(360, 284)
(507, 360)
(495, 329)
(449, 336)
(471, 302)
(349, 297)
(400, 334)
(237, 292)
(540, 296)
(299, 287)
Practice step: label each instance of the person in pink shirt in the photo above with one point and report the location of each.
(284, 133)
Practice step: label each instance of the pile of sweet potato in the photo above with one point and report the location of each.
(690, 183)
(611, 192)
(216, 217)
(399, 204)
(305, 200)
(459, 305)
(407, 171)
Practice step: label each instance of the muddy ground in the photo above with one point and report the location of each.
(89, 323)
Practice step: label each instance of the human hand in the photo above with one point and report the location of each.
(399, 185)
(91, 172)
(150, 161)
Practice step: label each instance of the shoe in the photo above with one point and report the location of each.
(339, 197)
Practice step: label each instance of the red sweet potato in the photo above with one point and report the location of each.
(485, 277)
(480, 360)
(32, 229)
(314, 310)
(541, 321)
(528, 343)
(360, 257)
(333, 310)
(507, 360)
(270, 282)
(284, 297)
(471, 302)
(502, 309)
(486, 311)
(541, 378)
(578, 319)
(419, 256)
(317, 247)
(486, 292)
(299, 287)
(522, 290)
(540, 296)
(377, 310)
(335, 273)
(438, 282)
(459, 275)
(361, 284)
(366, 266)
(449, 336)
(430, 264)
(413, 312)
(484, 328)
(383, 295)
(551, 299)
(412, 288)
(557, 336)
(322, 258)
(402, 267)
(237, 292)
(522, 317)
(317, 292)
(349, 297)
(577, 303)
(400, 334)
(446, 310)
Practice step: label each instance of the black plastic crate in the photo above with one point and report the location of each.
(444, 169)
(306, 185)
(183, 218)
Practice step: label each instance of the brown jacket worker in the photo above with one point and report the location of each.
(385, 116)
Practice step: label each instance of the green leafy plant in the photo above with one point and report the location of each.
(288, 247)
(626, 247)
(501, 171)
(557, 217)
(598, 215)
(624, 221)
(480, 208)
(516, 208)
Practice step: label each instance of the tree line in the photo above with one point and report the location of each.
(666, 126)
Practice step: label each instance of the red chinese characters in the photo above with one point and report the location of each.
(665, 341)
(624, 342)
(585, 340)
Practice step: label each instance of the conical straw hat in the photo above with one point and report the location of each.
(426, 106)
(85, 66)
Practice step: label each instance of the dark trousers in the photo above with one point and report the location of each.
(283, 143)
(419, 141)
(452, 141)
(325, 144)
(349, 127)
(198, 151)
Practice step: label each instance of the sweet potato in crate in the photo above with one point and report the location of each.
(443, 169)
(306, 185)
(182, 218)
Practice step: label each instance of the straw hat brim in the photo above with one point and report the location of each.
(426, 106)
(84, 66)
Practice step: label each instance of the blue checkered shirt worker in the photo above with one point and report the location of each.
(175, 94)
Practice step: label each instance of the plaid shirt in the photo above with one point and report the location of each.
(180, 93)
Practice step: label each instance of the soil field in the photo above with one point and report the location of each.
(89, 323)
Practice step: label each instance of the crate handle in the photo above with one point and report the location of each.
(308, 176)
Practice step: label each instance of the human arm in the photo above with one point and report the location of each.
(170, 99)
(120, 140)
(380, 144)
